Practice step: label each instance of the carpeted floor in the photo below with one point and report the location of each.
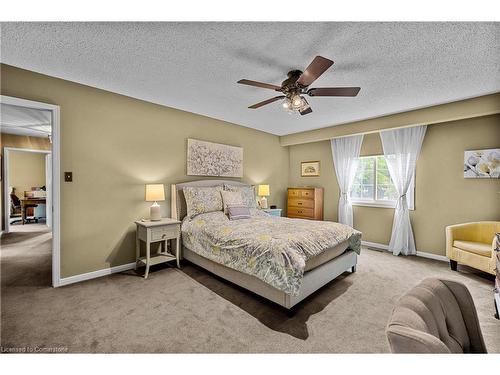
(189, 310)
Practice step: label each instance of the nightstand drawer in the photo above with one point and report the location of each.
(273, 211)
(163, 233)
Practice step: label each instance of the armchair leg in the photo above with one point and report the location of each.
(453, 265)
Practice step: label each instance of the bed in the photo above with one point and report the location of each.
(283, 260)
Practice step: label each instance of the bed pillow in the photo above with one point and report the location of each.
(247, 192)
(202, 199)
(231, 198)
(237, 212)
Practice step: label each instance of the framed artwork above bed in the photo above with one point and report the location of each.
(213, 159)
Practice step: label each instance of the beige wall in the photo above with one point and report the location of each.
(26, 170)
(442, 195)
(320, 151)
(24, 141)
(462, 109)
(114, 144)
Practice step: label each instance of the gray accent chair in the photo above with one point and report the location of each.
(436, 316)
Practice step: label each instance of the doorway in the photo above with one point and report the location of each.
(28, 182)
(30, 188)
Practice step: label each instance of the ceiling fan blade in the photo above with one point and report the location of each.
(316, 68)
(306, 110)
(334, 91)
(268, 101)
(259, 84)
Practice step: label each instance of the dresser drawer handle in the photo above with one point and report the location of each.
(299, 203)
(164, 235)
(299, 212)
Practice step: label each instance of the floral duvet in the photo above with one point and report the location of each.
(273, 249)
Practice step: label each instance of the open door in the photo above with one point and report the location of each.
(23, 108)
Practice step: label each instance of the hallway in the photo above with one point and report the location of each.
(29, 265)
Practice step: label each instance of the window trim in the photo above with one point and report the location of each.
(384, 203)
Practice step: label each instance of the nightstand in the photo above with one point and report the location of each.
(157, 231)
(273, 211)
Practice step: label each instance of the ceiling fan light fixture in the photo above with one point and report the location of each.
(297, 84)
(297, 101)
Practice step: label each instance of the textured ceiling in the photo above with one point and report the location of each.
(25, 121)
(195, 66)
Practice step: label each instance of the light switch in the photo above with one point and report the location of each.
(68, 176)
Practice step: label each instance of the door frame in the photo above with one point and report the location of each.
(6, 178)
(56, 183)
(48, 185)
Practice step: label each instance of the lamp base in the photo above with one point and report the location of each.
(154, 212)
(263, 202)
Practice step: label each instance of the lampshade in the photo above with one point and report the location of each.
(263, 190)
(155, 192)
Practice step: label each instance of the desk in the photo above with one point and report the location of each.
(30, 202)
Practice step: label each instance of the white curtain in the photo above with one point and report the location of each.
(345, 152)
(401, 150)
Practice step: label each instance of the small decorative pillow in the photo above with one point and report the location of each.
(237, 212)
(202, 199)
(247, 192)
(231, 198)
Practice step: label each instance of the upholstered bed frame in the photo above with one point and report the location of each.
(312, 281)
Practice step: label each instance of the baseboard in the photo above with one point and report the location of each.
(422, 254)
(130, 266)
(441, 258)
(96, 274)
(375, 245)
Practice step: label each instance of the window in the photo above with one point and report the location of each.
(373, 185)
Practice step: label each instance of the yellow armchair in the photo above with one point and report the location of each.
(472, 244)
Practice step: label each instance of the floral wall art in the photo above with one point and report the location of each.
(482, 163)
(213, 159)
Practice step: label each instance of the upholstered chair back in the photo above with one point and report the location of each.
(437, 316)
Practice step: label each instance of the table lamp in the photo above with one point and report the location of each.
(155, 193)
(263, 192)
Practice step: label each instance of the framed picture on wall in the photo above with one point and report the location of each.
(213, 159)
(309, 169)
(482, 163)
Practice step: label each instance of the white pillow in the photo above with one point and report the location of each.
(232, 198)
(247, 193)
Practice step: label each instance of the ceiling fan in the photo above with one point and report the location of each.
(296, 85)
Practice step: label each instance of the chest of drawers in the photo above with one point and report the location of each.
(305, 203)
